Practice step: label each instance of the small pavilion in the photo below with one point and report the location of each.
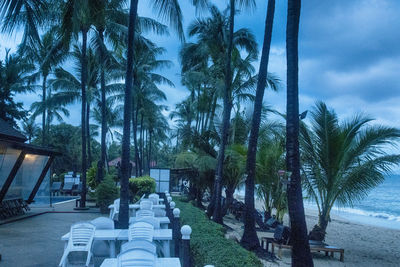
(24, 171)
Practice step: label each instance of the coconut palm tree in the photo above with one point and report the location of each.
(301, 255)
(217, 214)
(14, 78)
(36, 53)
(30, 128)
(271, 159)
(343, 161)
(249, 238)
(30, 14)
(170, 10)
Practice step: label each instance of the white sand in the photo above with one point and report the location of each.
(363, 245)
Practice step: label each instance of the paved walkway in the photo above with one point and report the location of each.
(35, 241)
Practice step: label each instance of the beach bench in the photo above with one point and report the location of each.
(315, 246)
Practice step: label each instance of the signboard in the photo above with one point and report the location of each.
(162, 177)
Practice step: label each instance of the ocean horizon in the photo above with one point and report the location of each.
(380, 208)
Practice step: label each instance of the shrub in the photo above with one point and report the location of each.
(141, 185)
(91, 175)
(208, 243)
(113, 172)
(106, 193)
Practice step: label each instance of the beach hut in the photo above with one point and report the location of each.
(24, 171)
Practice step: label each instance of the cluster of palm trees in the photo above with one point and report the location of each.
(96, 53)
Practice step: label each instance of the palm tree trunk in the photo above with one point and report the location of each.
(83, 116)
(141, 146)
(44, 110)
(100, 165)
(149, 150)
(123, 217)
(301, 250)
(250, 238)
(217, 214)
(214, 106)
(89, 149)
(135, 142)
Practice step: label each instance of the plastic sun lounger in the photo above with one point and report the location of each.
(67, 188)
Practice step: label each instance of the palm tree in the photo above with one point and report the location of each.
(170, 10)
(249, 238)
(30, 14)
(14, 78)
(271, 159)
(30, 128)
(36, 53)
(301, 255)
(109, 20)
(343, 161)
(78, 18)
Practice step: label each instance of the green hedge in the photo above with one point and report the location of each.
(208, 243)
(141, 185)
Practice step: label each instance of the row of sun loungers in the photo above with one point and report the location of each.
(69, 188)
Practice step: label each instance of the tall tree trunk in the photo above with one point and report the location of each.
(217, 214)
(301, 250)
(135, 142)
(89, 148)
(141, 146)
(250, 238)
(123, 217)
(100, 164)
(213, 108)
(44, 110)
(149, 150)
(83, 116)
(48, 119)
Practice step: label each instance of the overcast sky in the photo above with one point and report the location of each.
(349, 56)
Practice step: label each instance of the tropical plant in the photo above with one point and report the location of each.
(271, 159)
(14, 78)
(36, 53)
(30, 128)
(343, 161)
(106, 193)
(140, 186)
(301, 255)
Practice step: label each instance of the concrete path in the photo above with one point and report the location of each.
(35, 241)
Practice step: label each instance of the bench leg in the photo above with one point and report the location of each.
(272, 248)
(341, 256)
(326, 253)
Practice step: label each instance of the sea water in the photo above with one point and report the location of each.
(380, 208)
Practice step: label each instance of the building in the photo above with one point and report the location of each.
(24, 171)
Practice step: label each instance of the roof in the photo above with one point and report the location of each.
(7, 132)
(115, 161)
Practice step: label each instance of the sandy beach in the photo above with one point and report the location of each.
(364, 245)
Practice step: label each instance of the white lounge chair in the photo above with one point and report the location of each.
(135, 258)
(101, 248)
(158, 212)
(80, 240)
(115, 211)
(141, 231)
(144, 213)
(155, 198)
(139, 244)
(146, 204)
(151, 220)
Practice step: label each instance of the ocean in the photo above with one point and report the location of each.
(380, 208)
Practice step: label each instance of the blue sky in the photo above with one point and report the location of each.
(348, 56)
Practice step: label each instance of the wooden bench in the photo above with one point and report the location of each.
(314, 247)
